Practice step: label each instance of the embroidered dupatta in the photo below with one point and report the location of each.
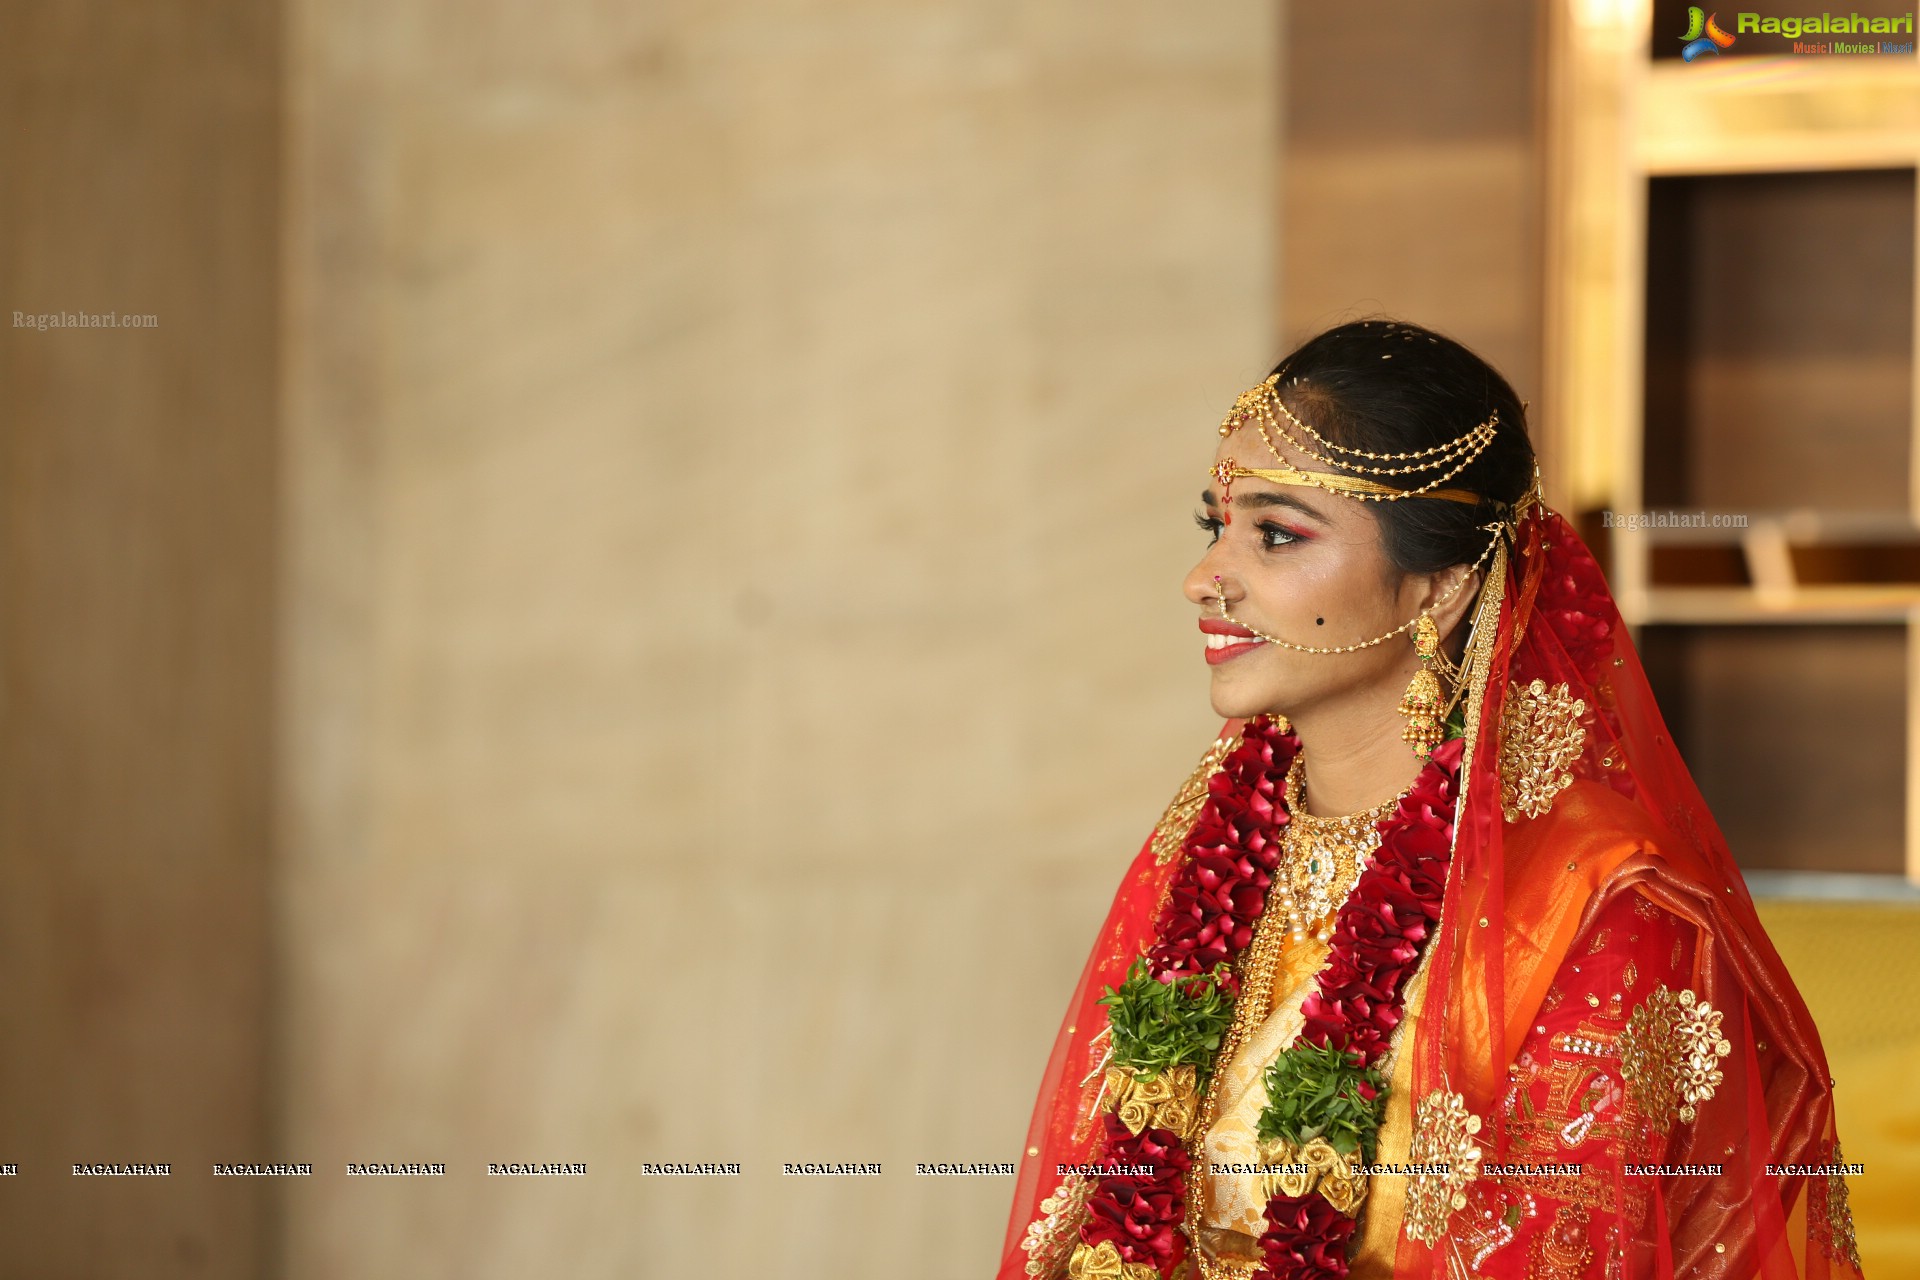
(1708, 1144)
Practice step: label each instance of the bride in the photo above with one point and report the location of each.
(1438, 965)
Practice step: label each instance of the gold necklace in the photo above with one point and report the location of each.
(1323, 858)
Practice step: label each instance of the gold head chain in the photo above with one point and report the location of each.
(1257, 405)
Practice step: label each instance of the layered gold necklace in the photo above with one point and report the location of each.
(1322, 858)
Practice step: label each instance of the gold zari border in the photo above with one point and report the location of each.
(1057, 1227)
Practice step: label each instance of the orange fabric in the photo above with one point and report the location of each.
(1555, 864)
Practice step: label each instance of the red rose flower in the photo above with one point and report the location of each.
(1306, 1239)
(1139, 1220)
(1138, 1211)
(1221, 889)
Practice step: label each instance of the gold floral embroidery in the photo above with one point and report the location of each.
(1563, 1250)
(1670, 1055)
(1185, 807)
(1050, 1236)
(1830, 1216)
(1103, 1262)
(1600, 940)
(1446, 1158)
(1540, 738)
(1168, 1100)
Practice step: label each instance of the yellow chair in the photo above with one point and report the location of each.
(1857, 965)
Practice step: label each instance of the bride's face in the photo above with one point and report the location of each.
(1304, 565)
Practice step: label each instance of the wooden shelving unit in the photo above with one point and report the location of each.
(1642, 150)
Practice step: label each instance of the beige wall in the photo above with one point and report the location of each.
(738, 469)
(629, 611)
(139, 167)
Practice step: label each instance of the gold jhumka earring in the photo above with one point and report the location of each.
(1426, 704)
(1421, 705)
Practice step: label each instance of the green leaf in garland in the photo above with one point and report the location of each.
(1456, 724)
(1158, 1024)
(1316, 1092)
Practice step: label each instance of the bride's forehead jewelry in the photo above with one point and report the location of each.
(1258, 405)
(1262, 406)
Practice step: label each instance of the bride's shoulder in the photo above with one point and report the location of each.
(1590, 827)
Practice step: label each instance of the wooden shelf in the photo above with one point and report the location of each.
(1733, 273)
(1802, 526)
(1727, 690)
(1725, 606)
(1781, 567)
(1778, 114)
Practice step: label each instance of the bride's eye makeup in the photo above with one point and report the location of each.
(1273, 536)
(1277, 535)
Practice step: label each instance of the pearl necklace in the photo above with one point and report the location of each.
(1322, 858)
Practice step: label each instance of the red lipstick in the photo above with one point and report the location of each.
(1229, 643)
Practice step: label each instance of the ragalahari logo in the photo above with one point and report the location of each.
(1703, 34)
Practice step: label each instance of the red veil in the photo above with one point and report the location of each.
(1666, 1113)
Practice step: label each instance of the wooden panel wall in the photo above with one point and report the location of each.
(139, 174)
(1411, 173)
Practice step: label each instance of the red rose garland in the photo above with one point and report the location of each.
(1305, 1237)
(1212, 906)
(1231, 852)
(1384, 925)
(1378, 937)
(1137, 1212)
